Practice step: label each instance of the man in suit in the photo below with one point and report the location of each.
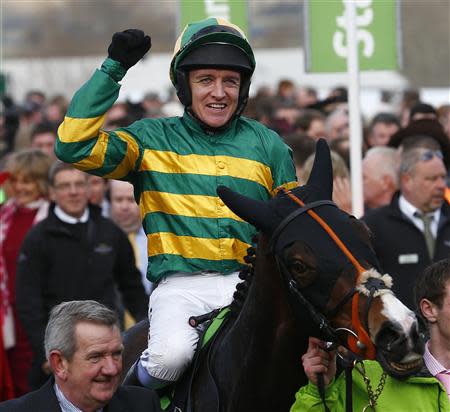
(73, 254)
(84, 347)
(414, 230)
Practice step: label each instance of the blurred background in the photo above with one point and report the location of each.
(50, 48)
(55, 45)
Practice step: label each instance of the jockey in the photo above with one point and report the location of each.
(196, 245)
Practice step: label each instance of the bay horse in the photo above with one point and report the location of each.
(315, 274)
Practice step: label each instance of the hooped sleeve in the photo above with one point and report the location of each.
(81, 139)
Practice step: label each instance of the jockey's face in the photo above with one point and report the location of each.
(215, 95)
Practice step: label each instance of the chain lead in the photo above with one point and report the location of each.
(373, 396)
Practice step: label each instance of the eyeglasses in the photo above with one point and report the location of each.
(428, 155)
(65, 187)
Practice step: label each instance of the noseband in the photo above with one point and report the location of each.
(358, 340)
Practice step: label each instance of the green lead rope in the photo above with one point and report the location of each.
(214, 326)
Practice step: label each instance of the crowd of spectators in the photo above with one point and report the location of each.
(27, 136)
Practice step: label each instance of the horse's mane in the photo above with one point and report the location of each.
(246, 274)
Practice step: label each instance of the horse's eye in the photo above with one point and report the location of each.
(298, 266)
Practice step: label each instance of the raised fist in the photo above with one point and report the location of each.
(129, 46)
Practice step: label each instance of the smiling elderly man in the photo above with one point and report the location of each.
(84, 347)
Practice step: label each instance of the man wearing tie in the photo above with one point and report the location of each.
(414, 229)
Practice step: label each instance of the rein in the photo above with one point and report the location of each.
(361, 345)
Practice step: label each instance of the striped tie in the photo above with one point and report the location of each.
(429, 238)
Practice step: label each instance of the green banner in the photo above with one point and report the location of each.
(2, 84)
(235, 11)
(377, 31)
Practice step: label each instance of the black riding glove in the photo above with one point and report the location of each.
(129, 46)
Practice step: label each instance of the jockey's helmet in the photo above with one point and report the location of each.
(212, 43)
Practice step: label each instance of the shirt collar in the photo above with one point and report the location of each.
(408, 210)
(70, 219)
(65, 404)
(432, 364)
(194, 125)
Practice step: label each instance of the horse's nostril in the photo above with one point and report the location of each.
(387, 335)
(391, 339)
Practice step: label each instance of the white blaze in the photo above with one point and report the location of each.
(397, 312)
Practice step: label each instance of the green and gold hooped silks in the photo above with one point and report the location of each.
(175, 167)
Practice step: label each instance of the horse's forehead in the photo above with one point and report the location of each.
(329, 255)
(306, 226)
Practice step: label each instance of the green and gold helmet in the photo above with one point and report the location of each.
(214, 43)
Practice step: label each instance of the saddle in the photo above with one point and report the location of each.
(219, 322)
(177, 398)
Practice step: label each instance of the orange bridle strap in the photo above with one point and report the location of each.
(368, 350)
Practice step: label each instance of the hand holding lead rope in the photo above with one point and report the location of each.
(317, 360)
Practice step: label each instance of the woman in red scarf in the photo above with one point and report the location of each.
(28, 186)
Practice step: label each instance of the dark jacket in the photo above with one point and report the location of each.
(401, 248)
(60, 262)
(125, 399)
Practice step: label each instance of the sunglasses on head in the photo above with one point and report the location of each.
(428, 155)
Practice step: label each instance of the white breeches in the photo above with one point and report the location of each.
(172, 341)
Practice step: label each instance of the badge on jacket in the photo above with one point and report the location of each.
(103, 248)
(408, 259)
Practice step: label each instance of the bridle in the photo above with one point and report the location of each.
(358, 338)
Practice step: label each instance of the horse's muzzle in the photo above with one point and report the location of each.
(400, 352)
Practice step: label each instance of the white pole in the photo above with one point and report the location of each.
(354, 111)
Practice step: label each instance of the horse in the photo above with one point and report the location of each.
(314, 274)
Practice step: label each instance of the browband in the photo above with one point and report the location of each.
(293, 215)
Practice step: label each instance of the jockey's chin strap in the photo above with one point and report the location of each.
(360, 343)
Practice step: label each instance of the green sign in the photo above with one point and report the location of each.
(2, 84)
(235, 11)
(377, 33)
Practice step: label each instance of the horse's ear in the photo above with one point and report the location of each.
(255, 212)
(322, 171)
